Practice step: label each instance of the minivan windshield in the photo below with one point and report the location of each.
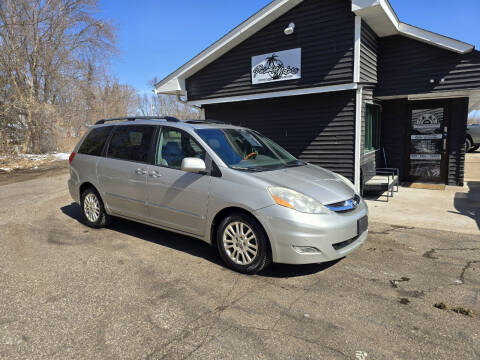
(247, 150)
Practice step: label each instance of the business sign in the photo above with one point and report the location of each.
(426, 156)
(277, 66)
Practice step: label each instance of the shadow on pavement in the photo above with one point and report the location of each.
(191, 245)
(468, 204)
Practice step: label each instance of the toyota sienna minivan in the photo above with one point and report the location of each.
(227, 185)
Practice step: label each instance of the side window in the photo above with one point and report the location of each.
(95, 141)
(131, 142)
(372, 127)
(175, 145)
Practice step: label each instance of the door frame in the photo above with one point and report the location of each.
(444, 164)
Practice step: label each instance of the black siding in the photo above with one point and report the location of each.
(325, 32)
(316, 128)
(406, 67)
(456, 141)
(368, 54)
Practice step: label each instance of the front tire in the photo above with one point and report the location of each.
(243, 244)
(93, 211)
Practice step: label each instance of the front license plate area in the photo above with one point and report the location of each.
(362, 225)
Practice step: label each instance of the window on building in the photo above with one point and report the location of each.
(95, 141)
(372, 127)
(131, 143)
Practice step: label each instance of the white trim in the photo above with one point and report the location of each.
(275, 94)
(430, 96)
(358, 137)
(358, 47)
(381, 17)
(243, 31)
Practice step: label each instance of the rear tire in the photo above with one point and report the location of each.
(93, 210)
(468, 145)
(243, 244)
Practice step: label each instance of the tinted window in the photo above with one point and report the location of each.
(175, 145)
(131, 143)
(95, 141)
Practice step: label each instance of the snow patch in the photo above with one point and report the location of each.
(61, 156)
(6, 169)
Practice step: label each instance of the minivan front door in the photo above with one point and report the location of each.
(123, 173)
(428, 145)
(177, 199)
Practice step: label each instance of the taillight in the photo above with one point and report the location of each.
(72, 155)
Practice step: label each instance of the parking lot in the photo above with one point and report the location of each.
(133, 291)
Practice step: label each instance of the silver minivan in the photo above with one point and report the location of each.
(227, 185)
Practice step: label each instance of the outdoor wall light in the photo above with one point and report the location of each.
(290, 29)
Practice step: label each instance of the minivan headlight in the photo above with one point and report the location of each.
(294, 200)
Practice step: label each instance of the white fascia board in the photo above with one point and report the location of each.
(430, 96)
(381, 17)
(172, 87)
(242, 32)
(435, 39)
(275, 94)
(357, 49)
(358, 138)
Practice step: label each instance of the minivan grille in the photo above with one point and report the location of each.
(344, 244)
(345, 206)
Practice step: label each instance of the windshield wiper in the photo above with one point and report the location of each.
(246, 169)
(297, 164)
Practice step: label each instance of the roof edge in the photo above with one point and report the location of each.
(381, 17)
(175, 82)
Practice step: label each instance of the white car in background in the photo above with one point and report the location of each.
(473, 132)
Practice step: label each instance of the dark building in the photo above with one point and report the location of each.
(342, 84)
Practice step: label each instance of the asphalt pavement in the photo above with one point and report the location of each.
(136, 292)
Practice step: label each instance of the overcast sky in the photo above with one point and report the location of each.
(155, 37)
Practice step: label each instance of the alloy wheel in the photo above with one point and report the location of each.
(240, 243)
(91, 208)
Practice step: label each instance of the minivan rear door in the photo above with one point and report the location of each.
(123, 173)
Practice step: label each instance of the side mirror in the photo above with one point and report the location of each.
(193, 165)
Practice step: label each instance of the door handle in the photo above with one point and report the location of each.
(155, 174)
(140, 172)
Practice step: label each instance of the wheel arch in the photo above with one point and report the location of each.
(235, 209)
(88, 184)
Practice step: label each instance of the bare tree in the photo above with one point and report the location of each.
(48, 50)
(166, 105)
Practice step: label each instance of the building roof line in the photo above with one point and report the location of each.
(378, 14)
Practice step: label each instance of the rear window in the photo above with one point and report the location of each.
(131, 143)
(95, 141)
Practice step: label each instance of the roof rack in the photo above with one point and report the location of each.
(133, 118)
(206, 122)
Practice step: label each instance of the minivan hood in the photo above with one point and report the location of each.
(320, 184)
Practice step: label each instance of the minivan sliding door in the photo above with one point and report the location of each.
(123, 173)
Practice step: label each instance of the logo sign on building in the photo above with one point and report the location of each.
(277, 66)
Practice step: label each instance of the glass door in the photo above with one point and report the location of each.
(428, 141)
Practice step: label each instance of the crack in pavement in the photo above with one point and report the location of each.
(465, 268)
(392, 229)
(309, 341)
(429, 254)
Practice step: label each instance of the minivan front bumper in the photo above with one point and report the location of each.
(334, 235)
